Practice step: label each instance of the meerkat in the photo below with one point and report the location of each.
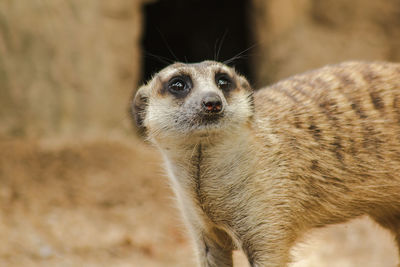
(255, 170)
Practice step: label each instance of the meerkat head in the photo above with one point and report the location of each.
(187, 100)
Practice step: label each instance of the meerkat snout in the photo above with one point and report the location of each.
(212, 103)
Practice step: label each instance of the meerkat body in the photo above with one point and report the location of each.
(255, 171)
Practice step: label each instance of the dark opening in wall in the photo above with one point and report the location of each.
(196, 30)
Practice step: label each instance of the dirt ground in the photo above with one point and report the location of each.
(107, 203)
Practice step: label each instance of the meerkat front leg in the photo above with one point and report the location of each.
(214, 248)
(267, 254)
(267, 244)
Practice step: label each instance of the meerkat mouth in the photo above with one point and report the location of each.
(211, 118)
(206, 123)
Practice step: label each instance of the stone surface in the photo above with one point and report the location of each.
(297, 35)
(67, 67)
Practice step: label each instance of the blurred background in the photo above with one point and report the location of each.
(78, 187)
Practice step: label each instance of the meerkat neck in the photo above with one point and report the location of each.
(209, 158)
(205, 171)
(215, 147)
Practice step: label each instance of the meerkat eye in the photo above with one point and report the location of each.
(179, 85)
(223, 81)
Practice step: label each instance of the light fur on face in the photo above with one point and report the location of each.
(171, 118)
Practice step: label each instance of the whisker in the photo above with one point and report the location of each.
(239, 55)
(162, 59)
(221, 43)
(167, 45)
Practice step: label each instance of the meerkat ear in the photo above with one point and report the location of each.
(138, 108)
(245, 84)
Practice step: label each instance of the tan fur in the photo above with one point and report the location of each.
(316, 149)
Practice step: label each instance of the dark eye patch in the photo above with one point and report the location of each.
(224, 81)
(179, 85)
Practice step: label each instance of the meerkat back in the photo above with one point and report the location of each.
(337, 131)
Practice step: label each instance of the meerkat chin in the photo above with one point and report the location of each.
(255, 170)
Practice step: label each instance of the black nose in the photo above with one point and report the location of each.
(212, 103)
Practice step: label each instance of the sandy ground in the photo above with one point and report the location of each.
(107, 203)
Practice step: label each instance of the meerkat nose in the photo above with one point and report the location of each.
(212, 103)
